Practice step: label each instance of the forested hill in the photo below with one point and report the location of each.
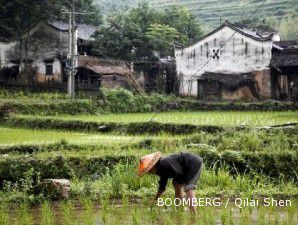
(210, 11)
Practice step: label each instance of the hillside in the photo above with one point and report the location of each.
(210, 12)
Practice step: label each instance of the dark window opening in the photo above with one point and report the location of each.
(49, 69)
(263, 50)
(246, 48)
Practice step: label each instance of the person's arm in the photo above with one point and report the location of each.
(162, 187)
(158, 194)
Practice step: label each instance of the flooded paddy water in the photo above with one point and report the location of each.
(67, 213)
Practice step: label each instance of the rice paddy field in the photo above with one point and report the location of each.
(19, 136)
(242, 160)
(221, 118)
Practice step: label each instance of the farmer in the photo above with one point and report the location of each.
(184, 168)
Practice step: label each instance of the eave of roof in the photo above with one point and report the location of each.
(285, 58)
(285, 44)
(85, 31)
(230, 81)
(236, 29)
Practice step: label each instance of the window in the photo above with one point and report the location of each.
(49, 69)
(246, 48)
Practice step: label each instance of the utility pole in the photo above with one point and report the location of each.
(73, 49)
(73, 53)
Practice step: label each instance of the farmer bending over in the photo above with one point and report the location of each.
(184, 168)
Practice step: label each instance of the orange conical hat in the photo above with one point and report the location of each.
(147, 162)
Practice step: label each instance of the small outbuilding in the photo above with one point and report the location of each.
(284, 70)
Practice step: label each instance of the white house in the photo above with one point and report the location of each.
(207, 69)
(5, 46)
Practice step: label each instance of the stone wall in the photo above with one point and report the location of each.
(262, 78)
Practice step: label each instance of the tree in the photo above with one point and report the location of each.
(162, 38)
(17, 16)
(141, 31)
(288, 27)
(256, 23)
(181, 18)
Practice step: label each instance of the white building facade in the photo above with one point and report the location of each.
(227, 50)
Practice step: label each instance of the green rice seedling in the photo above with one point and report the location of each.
(274, 216)
(136, 219)
(201, 215)
(153, 214)
(244, 216)
(231, 217)
(167, 219)
(67, 210)
(291, 213)
(88, 216)
(125, 200)
(47, 216)
(208, 215)
(4, 214)
(261, 215)
(24, 217)
(271, 211)
(105, 202)
(225, 216)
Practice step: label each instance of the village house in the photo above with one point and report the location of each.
(46, 54)
(230, 63)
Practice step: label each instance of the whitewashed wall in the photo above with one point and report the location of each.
(4, 49)
(193, 61)
(40, 65)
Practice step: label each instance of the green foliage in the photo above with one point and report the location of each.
(136, 34)
(288, 27)
(255, 23)
(162, 37)
(27, 95)
(183, 20)
(22, 15)
(121, 100)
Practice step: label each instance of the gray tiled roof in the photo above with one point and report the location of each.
(84, 31)
(285, 58)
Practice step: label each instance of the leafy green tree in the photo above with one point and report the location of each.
(181, 18)
(142, 31)
(162, 38)
(18, 16)
(288, 28)
(117, 38)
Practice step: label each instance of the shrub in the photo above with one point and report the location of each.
(124, 101)
(5, 111)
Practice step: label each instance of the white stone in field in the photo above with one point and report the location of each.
(62, 186)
